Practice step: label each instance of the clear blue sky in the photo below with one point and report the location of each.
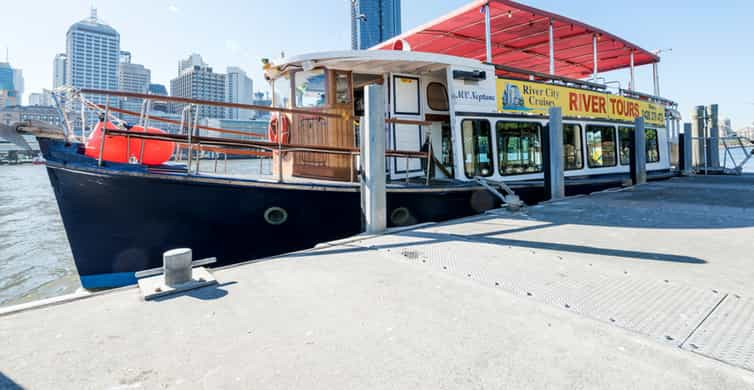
(712, 59)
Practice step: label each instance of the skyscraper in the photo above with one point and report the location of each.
(238, 89)
(18, 82)
(375, 21)
(132, 78)
(190, 62)
(11, 85)
(92, 50)
(59, 70)
(196, 80)
(159, 89)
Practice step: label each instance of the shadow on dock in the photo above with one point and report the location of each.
(699, 202)
(209, 293)
(494, 239)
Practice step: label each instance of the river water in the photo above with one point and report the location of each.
(35, 259)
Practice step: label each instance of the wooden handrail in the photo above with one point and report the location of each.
(175, 122)
(176, 99)
(408, 122)
(272, 146)
(223, 104)
(232, 151)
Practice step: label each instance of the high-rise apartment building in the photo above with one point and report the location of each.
(196, 80)
(238, 89)
(59, 65)
(132, 78)
(92, 51)
(374, 21)
(40, 99)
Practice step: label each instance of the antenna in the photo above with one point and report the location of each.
(6, 54)
(92, 11)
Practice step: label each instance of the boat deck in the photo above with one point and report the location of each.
(646, 287)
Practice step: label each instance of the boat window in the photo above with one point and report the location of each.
(437, 97)
(519, 148)
(310, 88)
(600, 146)
(406, 95)
(447, 148)
(477, 147)
(342, 88)
(572, 149)
(653, 146)
(624, 133)
(281, 90)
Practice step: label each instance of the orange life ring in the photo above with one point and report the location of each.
(272, 129)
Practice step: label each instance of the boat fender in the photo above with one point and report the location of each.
(285, 125)
(401, 216)
(275, 215)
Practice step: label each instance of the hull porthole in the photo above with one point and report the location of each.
(401, 217)
(275, 215)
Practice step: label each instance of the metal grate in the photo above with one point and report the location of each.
(728, 333)
(663, 310)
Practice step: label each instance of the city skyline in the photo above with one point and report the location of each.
(704, 67)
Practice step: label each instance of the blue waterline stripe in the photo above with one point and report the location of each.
(116, 279)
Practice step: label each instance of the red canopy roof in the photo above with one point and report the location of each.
(520, 38)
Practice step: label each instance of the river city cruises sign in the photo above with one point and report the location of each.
(524, 97)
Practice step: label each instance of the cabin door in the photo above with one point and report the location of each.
(405, 103)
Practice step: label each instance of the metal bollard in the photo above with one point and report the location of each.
(177, 266)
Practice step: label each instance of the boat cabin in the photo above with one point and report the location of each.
(476, 123)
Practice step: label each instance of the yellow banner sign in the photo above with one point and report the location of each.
(524, 97)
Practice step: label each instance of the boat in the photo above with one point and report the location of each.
(458, 125)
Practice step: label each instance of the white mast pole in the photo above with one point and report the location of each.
(595, 69)
(488, 32)
(552, 49)
(632, 81)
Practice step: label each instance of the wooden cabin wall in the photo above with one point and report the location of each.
(325, 131)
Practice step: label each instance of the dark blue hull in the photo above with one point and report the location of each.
(121, 218)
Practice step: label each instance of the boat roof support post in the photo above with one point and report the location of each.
(552, 48)
(373, 193)
(553, 156)
(632, 80)
(638, 153)
(595, 69)
(487, 32)
(656, 78)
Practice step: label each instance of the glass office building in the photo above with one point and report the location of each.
(381, 21)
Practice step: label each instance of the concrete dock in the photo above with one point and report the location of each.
(643, 288)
